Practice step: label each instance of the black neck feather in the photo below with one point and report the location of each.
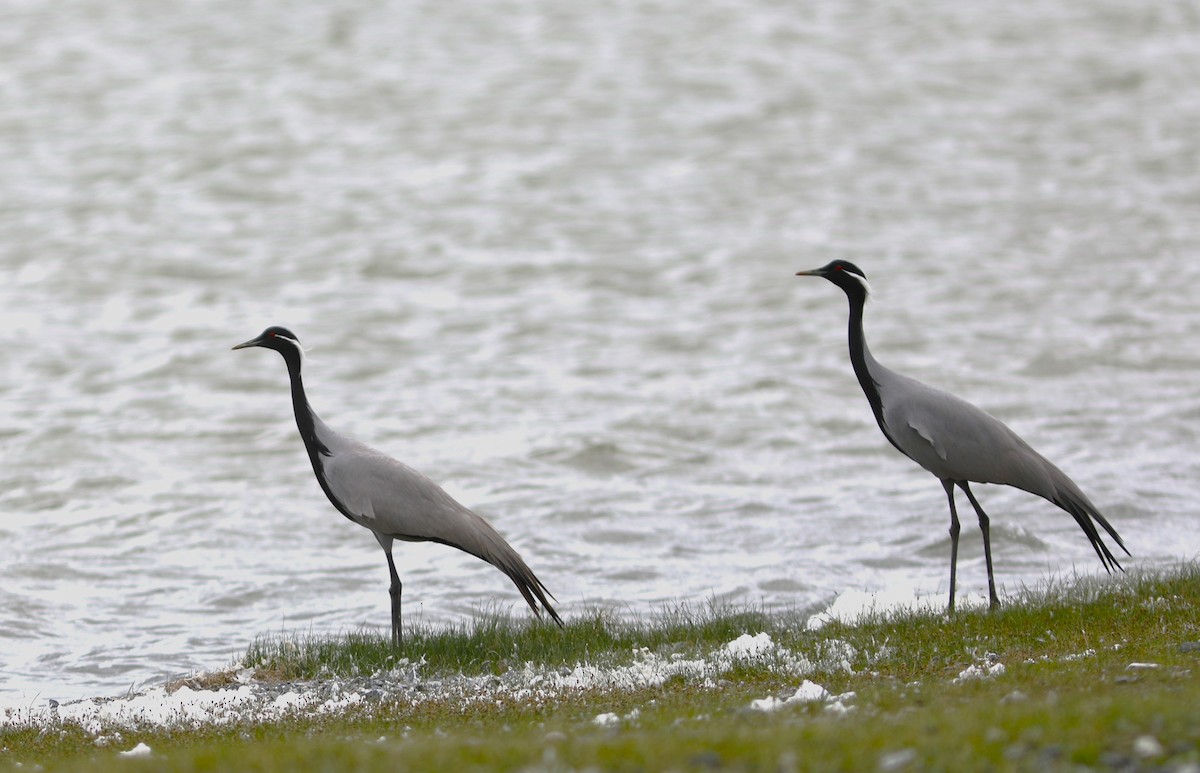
(308, 431)
(304, 415)
(861, 359)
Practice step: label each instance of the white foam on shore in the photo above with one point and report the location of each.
(807, 692)
(852, 606)
(979, 671)
(141, 750)
(248, 702)
(747, 646)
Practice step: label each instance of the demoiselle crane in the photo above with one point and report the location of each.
(955, 441)
(391, 499)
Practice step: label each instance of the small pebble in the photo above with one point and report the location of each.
(709, 759)
(1050, 755)
(897, 760)
(1147, 746)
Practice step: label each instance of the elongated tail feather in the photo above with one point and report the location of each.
(1087, 516)
(531, 587)
(492, 548)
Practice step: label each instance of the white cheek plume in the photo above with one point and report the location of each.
(862, 280)
(295, 343)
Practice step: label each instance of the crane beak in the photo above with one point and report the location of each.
(248, 344)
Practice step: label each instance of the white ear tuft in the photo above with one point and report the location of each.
(295, 343)
(862, 280)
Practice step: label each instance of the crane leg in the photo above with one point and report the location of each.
(985, 527)
(394, 592)
(955, 528)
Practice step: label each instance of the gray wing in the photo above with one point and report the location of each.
(957, 441)
(394, 500)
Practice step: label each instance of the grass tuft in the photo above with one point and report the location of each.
(494, 642)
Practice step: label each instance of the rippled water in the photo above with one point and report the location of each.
(543, 252)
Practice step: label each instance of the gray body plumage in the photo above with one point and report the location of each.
(955, 441)
(390, 498)
(396, 502)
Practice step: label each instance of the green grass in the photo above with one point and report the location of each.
(1066, 700)
(493, 642)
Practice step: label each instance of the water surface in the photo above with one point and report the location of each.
(544, 253)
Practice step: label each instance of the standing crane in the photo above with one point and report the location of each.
(955, 441)
(391, 499)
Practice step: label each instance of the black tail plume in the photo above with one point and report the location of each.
(1084, 513)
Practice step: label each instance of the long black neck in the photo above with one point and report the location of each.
(861, 358)
(307, 425)
(304, 416)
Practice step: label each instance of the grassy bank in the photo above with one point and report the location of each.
(1099, 674)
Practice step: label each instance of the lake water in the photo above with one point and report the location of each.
(544, 252)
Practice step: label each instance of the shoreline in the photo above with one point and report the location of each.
(1095, 673)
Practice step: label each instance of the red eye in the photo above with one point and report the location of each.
(272, 335)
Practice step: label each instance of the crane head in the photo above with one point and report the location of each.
(844, 274)
(278, 338)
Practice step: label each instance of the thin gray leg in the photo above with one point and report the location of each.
(955, 528)
(394, 592)
(985, 527)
